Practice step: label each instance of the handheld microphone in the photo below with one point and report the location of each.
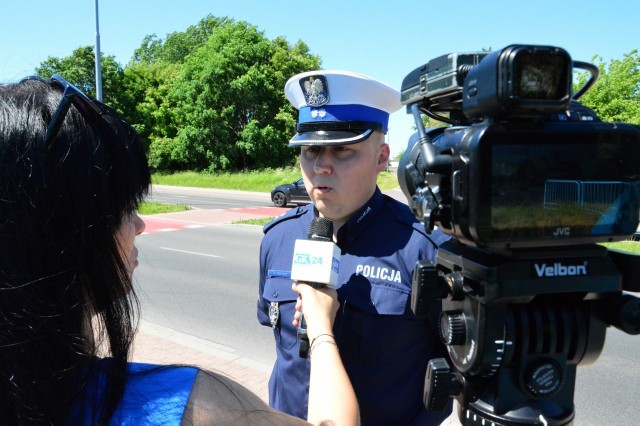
(316, 261)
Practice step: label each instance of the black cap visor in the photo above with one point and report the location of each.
(333, 133)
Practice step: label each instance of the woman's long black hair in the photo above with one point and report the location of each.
(62, 278)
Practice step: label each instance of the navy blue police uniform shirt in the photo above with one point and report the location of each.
(384, 347)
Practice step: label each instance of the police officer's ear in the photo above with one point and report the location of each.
(383, 157)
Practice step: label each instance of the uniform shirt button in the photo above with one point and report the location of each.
(372, 302)
(275, 294)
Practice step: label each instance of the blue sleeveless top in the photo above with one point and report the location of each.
(154, 395)
(174, 395)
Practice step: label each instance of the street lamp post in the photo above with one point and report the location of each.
(98, 64)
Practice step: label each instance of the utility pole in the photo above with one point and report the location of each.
(98, 64)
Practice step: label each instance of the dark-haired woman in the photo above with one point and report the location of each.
(72, 174)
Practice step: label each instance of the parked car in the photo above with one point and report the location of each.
(294, 193)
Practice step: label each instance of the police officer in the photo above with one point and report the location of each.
(343, 119)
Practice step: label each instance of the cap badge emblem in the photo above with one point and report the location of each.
(316, 90)
(318, 113)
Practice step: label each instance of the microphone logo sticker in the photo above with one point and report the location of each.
(307, 259)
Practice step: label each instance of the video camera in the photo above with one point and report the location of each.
(527, 181)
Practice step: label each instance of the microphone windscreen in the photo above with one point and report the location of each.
(321, 228)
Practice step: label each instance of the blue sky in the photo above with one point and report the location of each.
(381, 38)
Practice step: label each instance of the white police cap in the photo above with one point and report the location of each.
(339, 107)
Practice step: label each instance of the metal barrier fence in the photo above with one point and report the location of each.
(562, 193)
(599, 196)
(594, 196)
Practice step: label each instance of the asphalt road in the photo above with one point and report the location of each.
(203, 282)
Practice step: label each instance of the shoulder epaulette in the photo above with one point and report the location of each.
(289, 214)
(401, 211)
(404, 215)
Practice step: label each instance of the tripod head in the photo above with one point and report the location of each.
(516, 328)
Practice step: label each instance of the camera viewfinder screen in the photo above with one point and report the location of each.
(562, 185)
(540, 76)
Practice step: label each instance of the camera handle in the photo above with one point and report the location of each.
(593, 70)
(433, 163)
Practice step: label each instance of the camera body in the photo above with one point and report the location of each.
(524, 164)
(523, 186)
(526, 180)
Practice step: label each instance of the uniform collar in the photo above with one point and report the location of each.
(361, 218)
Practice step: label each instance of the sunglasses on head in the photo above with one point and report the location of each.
(70, 95)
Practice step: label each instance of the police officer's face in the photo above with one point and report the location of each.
(341, 179)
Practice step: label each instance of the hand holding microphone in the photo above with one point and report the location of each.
(315, 262)
(321, 306)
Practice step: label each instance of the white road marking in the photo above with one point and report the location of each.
(189, 252)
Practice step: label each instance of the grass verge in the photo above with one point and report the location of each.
(260, 222)
(153, 207)
(628, 246)
(258, 181)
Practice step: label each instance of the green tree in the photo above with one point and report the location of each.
(147, 90)
(79, 69)
(230, 110)
(616, 94)
(149, 76)
(177, 45)
(211, 97)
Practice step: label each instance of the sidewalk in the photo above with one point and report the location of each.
(161, 345)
